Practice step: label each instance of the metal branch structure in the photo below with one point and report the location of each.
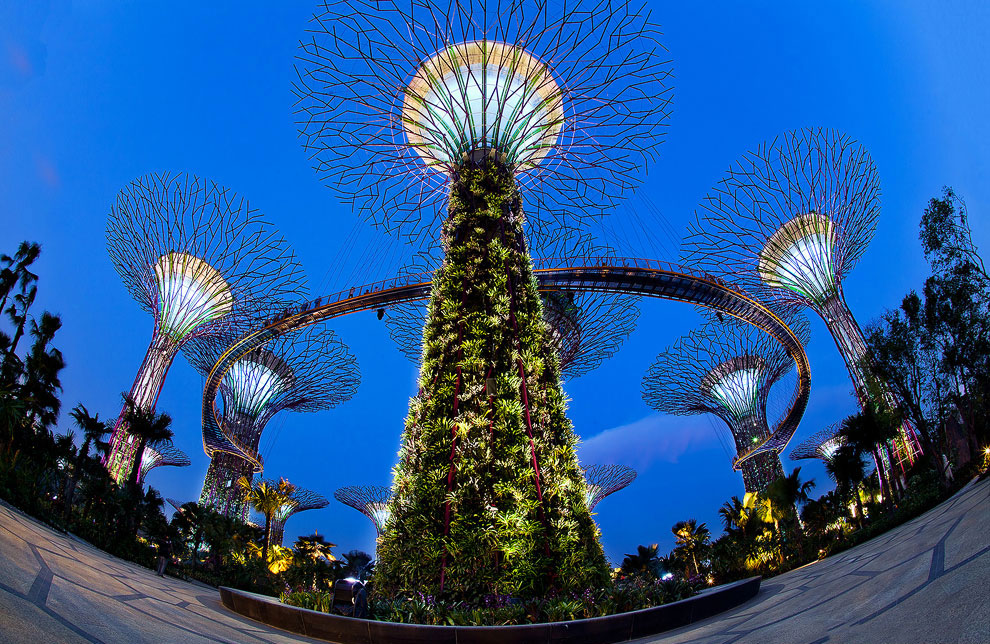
(821, 445)
(604, 480)
(306, 371)
(370, 500)
(201, 260)
(727, 370)
(586, 328)
(299, 500)
(788, 222)
(393, 96)
(159, 454)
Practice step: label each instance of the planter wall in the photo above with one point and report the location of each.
(598, 630)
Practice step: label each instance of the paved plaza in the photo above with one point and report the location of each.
(926, 581)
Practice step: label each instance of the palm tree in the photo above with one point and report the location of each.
(692, 539)
(267, 499)
(41, 382)
(847, 469)
(645, 561)
(15, 270)
(93, 430)
(147, 427)
(313, 547)
(781, 498)
(869, 431)
(190, 521)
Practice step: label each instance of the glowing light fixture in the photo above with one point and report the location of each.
(799, 257)
(252, 385)
(190, 293)
(483, 96)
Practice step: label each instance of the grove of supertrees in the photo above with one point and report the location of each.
(821, 445)
(299, 500)
(437, 119)
(605, 480)
(305, 371)
(370, 500)
(161, 454)
(788, 223)
(199, 259)
(728, 370)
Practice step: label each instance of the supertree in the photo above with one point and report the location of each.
(162, 453)
(435, 119)
(585, 328)
(821, 445)
(604, 480)
(788, 223)
(199, 259)
(298, 501)
(370, 500)
(305, 371)
(728, 370)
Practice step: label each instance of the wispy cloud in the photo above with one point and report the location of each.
(655, 438)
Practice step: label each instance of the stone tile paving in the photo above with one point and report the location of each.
(926, 581)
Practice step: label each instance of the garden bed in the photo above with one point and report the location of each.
(612, 628)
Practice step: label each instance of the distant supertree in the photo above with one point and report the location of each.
(162, 453)
(585, 328)
(788, 223)
(299, 500)
(821, 445)
(199, 259)
(370, 500)
(305, 371)
(603, 480)
(436, 119)
(727, 370)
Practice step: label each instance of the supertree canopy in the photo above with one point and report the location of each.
(395, 97)
(370, 500)
(788, 222)
(305, 371)
(437, 119)
(199, 259)
(727, 370)
(585, 328)
(821, 445)
(299, 500)
(161, 453)
(604, 480)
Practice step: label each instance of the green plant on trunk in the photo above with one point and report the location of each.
(489, 496)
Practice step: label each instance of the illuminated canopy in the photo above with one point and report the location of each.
(190, 293)
(479, 96)
(253, 381)
(799, 257)
(735, 384)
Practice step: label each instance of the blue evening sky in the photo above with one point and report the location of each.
(95, 94)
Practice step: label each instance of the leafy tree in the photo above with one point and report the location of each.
(267, 499)
(645, 562)
(146, 426)
(692, 540)
(847, 469)
(870, 430)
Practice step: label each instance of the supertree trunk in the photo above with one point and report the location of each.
(489, 497)
(761, 470)
(220, 489)
(893, 459)
(144, 393)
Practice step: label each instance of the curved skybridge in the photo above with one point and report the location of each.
(633, 276)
